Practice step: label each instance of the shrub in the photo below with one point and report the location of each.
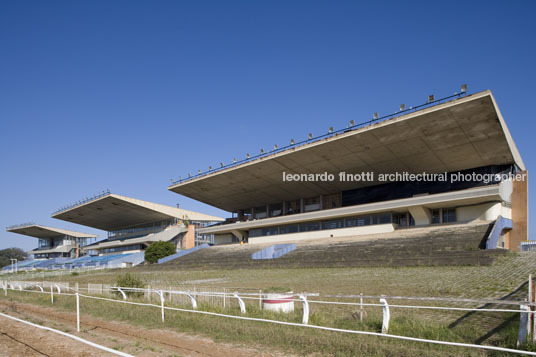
(159, 250)
(129, 281)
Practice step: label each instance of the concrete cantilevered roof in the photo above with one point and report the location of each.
(112, 212)
(461, 134)
(38, 231)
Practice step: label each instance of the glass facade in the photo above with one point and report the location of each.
(142, 229)
(347, 222)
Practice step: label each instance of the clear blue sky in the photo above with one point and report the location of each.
(128, 94)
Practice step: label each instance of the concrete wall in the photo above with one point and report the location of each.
(325, 234)
(520, 211)
(484, 212)
(226, 238)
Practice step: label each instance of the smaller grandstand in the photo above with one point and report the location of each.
(133, 224)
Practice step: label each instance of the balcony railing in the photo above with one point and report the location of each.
(79, 203)
(312, 139)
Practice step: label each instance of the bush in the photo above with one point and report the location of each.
(129, 281)
(159, 250)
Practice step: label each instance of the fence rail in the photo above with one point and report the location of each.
(169, 297)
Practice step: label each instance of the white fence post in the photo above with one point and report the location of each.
(529, 324)
(386, 316)
(523, 324)
(122, 293)
(5, 288)
(77, 312)
(240, 302)
(192, 299)
(361, 308)
(161, 293)
(51, 294)
(305, 319)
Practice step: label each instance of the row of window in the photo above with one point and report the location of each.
(323, 225)
(292, 207)
(121, 249)
(442, 215)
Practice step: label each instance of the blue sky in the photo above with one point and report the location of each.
(126, 95)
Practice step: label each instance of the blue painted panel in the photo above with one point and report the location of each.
(182, 253)
(500, 225)
(274, 251)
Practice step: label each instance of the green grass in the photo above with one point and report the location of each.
(297, 340)
(499, 280)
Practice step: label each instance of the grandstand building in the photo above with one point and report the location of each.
(54, 242)
(133, 224)
(358, 181)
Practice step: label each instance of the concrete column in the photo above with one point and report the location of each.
(421, 215)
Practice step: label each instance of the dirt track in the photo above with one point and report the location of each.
(18, 339)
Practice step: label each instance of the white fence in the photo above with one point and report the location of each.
(168, 297)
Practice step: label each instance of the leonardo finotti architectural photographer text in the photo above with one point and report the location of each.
(401, 176)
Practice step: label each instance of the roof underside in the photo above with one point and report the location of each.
(458, 135)
(113, 212)
(38, 231)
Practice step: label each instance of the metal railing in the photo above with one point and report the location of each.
(21, 225)
(312, 139)
(86, 200)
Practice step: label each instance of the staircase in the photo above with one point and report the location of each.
(432, 246)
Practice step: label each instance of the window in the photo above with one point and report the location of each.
(309, 226)
(381, 218)
(449, 215)
(255, 232)
(291, 228)
(292, 207)
(337, 223)
(444, 215)
(244, 215)
(260, 212)
(331, 201)
(270, 231)
(436, 216)
(311, 204)
(276, 210)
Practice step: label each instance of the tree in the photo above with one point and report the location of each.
(11, 253)
(159, 250)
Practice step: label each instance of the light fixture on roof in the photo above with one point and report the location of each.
(221, 164)
(402, 107)
(248, 156)
(189, 174)
(375, 115)
(431, 98)
(262, 151)
(330, 130)
(275, 147)
(292, 142)
(352, 122)
(180, 178)
(464, 88)
(199, 172)
(234, 160)
(310, 136)
(210, 168)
